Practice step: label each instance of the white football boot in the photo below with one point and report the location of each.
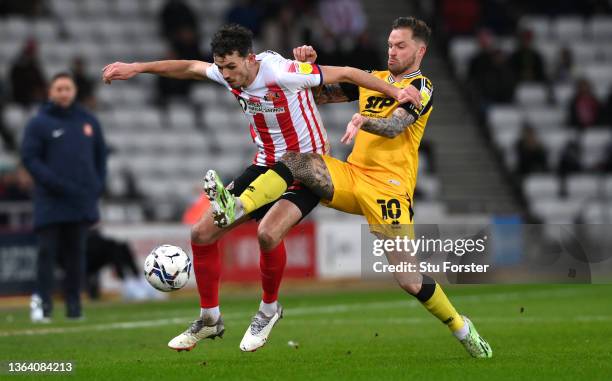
(257, 334)
(36, 310)
(203, 328)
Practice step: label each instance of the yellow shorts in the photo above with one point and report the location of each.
(387, 212)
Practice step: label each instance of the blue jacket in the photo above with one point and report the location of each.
(64, 151)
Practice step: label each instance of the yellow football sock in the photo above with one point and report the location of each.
(263, 190)
(439, 306)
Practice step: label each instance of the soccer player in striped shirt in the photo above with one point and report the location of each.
(276, 97)
(379, 177)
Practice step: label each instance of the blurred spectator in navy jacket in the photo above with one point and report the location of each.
(64, 151)
(530, 152)
(526, 61)
(27, 80)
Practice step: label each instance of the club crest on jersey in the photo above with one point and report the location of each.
(272, 96)
(87, 129)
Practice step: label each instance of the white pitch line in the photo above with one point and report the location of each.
(413, 320)
(298, 311)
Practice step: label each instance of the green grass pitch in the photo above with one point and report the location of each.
(553, 332)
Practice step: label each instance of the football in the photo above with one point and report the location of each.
(167, 268)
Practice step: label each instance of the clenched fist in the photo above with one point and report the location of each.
(118, 71)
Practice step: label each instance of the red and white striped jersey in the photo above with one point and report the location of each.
(280, 107)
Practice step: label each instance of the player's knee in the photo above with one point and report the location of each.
(202, 234)
(289, 157)
(268, 239)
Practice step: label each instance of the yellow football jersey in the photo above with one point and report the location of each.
(393, 162)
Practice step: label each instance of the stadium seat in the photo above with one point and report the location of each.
(501, 116)
(556, 211)
(232, 140)
(607, 187)
(586, 51)
(531, 94)
(8, 161)
(68, 9)
(593, 213)
(598, 73)
(541, 186)
(14, 116)
(462, 49)
(205, 94)
(539, 25)
(134, 95)
(596, 139)
(583, 186)
(81, 31)
(115, 184)
(549, 49)
(10, 49)
(129, 118)
(428, 186)
(554, 141)
(594, 143)
(214, 119)
(563, 94)
(45, 31)
(545, 117)
(602, 89)
(151, 8)
(94, 9)
(127, 9)
(181, 117)
(429, 212)
(506, 138)
(150, 119)
(600, 27)
(597, 212)
(568, 28)
(605, 52)
(16, 29)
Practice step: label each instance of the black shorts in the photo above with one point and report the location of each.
(297, 194)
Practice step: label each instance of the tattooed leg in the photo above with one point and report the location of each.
(310, 169)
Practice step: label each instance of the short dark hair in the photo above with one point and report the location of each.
(62, 74)
(232, 38)
(419, 28)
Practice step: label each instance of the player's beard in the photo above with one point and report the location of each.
(399, 70)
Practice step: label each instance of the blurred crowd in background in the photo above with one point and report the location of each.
(507, 56)
(337, 28)
(538, 74)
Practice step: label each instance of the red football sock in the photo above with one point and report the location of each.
(207, 270)
(272, 264)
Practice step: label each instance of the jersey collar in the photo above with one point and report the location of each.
(405, 76)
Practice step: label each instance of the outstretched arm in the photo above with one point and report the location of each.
(332, 92)
(336, 74)
(386, 127)
(178, 69)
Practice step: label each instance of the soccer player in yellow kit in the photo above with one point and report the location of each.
(378, 178)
